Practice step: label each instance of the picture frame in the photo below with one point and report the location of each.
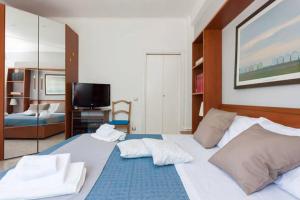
(267, 49)
(55, 84)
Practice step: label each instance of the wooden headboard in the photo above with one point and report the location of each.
(286, 116)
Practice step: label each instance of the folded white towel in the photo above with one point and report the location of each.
(12, 188)
(112, 136)
(36, 170)
(104, 131)
(105, 128)
(31, 167)
(121, 134)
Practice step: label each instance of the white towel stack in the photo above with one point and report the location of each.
(37, 177)
(108, 133)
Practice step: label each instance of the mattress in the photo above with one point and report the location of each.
(204, 181)
(200, 179)
(20, 119)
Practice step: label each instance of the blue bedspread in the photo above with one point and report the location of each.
(133, 179)
(20, 119)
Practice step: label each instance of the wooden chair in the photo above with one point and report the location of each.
(121, 123)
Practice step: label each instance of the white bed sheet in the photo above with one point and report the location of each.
(204, 181)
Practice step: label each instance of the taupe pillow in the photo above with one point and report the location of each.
(212, 128)
(257, 157)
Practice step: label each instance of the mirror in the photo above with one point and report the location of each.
(21, 61)
(51, 75)
(34, 83)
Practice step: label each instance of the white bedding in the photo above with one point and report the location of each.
(204, 181)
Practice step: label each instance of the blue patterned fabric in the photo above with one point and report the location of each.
(135, 179)
(119, 122)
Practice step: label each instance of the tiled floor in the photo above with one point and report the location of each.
(15, 148)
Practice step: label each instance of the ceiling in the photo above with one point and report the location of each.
(107, 8)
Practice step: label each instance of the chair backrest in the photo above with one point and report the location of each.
(115, 112)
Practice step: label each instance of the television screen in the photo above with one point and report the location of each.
(91, 95)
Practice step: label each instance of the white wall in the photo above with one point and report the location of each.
(206, 12)
(277, 96)
(114, 51)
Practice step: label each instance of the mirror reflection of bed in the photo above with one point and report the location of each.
(34, 83)
(23, 129)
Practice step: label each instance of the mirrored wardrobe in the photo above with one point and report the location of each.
(37, 75)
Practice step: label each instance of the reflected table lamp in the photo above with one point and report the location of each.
(13, 102)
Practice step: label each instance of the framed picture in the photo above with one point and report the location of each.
(55, 84)
(268, 46)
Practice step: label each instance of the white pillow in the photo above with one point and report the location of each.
(290, 180)
(53, 107)
(239, 125)
(278, 128)
(135, 148)
(166, 152)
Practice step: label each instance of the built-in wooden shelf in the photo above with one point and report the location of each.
(197, 93)
(15, 81)
(23, 86)
(207, 47)
(197, 97)
(198, 64)
(16, 95)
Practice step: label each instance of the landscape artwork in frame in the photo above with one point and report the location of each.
(55, 84)
(268, 46)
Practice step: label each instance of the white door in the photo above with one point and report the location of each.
(162, 93)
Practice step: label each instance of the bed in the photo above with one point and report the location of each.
(21, 126)
(111, 177)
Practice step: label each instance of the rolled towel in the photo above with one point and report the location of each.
(11, 188)
(32, 167)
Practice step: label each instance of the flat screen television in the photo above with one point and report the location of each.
(89, 95)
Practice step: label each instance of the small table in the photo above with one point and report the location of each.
(88, 120)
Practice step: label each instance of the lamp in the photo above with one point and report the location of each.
(13, 102)
(201, 111)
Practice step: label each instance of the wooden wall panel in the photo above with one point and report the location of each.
(228, 12)
(72, 43)
(2, 78)
(212, 54)
(286, 116)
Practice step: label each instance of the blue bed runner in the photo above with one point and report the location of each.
(133, 179)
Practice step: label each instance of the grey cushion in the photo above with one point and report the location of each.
(212, 128)
(257, 157)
